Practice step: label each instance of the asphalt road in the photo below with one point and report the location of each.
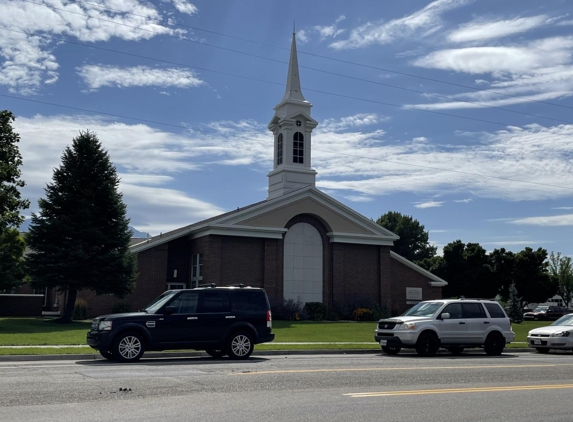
(363, 387)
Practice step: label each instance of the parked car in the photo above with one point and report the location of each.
(454, 324)
(220, 320)
(558, 335)
(546, 313)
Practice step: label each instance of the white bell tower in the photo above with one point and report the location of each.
(292, 128)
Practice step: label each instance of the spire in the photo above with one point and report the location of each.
(293, 91)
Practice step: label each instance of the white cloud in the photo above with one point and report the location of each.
(330, 31)
(480, 30)
(429, 204)
(565, 23)
(463, 201)
(345, 123)
(97, 76)
(184, 6)
(499, 59)
(359, 198)
(420, 23)
(545, 221)
(302, 37)
(352, 161)
(563, 208)
(29, 58)
(517, 242)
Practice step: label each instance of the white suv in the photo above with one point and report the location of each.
(454, 324)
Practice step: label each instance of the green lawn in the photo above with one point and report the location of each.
(38, 331)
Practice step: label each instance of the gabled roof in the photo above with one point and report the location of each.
(436, 281)
(268, 219)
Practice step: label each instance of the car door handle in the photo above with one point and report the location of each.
(486, 322)
(461, 322)
(229, 317)
(191, 317)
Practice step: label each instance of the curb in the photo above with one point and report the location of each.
(97, 356)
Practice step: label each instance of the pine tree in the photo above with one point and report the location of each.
(514, 304)
(11, 244)
(80, 238)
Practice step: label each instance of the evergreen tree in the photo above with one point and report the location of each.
(12, 247)
(11, 244)
(515, 310)
(80, 238)
(414, 242)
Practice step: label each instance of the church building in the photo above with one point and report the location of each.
(298, 243)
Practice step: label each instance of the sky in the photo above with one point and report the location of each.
(457, 113)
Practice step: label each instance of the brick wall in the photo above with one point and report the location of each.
(402, 277)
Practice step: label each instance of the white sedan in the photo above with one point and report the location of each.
(558, 335)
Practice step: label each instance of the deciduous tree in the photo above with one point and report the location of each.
(561, 271)
(414, 240)
(11, 203)
(81, 236)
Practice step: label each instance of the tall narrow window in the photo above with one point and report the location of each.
(280, 149)
(196, 269)
(298, 148)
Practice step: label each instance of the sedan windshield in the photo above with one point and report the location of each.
(159, 302)
(425, 309)
(541, 309)
(565, 320)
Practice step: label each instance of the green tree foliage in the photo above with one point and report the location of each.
(12, 247)
(515, 310)
(10, 161)
(561, 272)
(413, 243)
(502, 264)
(531, 276)
(11, 203)
(81, 237)
(466, 269)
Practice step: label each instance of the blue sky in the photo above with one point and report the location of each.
(458, 113)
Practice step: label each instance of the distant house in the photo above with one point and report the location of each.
(299, 243)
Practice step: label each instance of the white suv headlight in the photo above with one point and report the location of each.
(105, 325)
(407, 326)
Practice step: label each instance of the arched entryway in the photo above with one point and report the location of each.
(303, 263)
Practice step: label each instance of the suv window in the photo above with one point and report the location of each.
(249, 301)
(473, 310)
(454, 309)
(215, 301)
(495, 310)
(186, 303)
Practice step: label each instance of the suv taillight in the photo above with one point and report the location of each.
(269, 319)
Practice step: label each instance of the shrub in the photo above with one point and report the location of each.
(315, 311)
(288, 310)
(121, 307)
(80, 309)
(362, 314)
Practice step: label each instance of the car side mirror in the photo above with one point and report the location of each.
(169, 310)
(445, 315)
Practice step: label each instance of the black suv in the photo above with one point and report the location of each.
(220, 320)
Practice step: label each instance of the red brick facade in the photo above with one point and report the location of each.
(352, 273)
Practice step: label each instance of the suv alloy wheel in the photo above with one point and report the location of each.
(128, 347)
(427, 344)
(240, 345)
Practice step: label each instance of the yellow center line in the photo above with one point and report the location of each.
(416, 368)
(459, 390)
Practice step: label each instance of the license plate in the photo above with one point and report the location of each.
(383, 342)
(536, 341)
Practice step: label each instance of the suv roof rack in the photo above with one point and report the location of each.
(241, 285)
(212, 285)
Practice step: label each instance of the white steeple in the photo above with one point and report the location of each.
(292, 128)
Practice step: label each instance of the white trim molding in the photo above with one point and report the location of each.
(361, 239)
(437, 281)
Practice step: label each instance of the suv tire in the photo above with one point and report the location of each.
(107, 355)
(240, 345)
(494, 344)
(215, 353)
(391, 350)
(456, 350)
(128, 347)
(427, 344)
